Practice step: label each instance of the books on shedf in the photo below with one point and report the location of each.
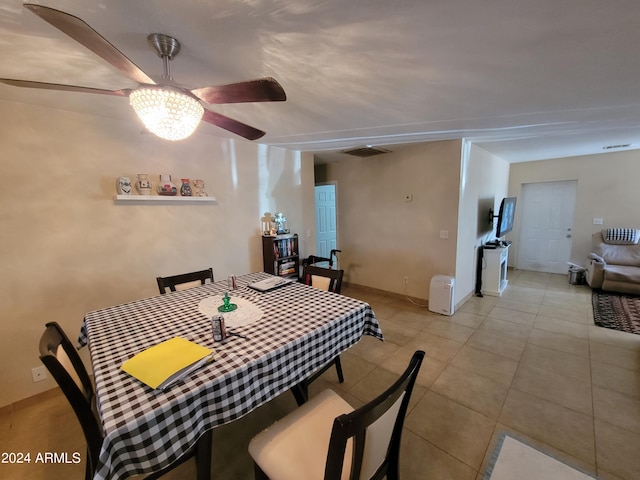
(164, 364)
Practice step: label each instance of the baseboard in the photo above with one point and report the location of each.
(30, 401)
(464, 300)
(398, 296)
(35, 399)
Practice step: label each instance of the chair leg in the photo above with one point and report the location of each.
(203, 456)
(88, 474)
(339, 369)
(301, 390)
(392, 472)
(300, 393)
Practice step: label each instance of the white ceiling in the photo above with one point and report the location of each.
(527, 80)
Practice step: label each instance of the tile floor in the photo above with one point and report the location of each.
(530, 362)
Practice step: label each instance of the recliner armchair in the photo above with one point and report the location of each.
(614, 264)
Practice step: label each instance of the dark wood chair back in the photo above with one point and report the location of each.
(334, 276)
(365, 442)
(390, 407)
(65, 365)
(172, 281)
(63, 362)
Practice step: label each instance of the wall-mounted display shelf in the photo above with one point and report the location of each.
(162, 198)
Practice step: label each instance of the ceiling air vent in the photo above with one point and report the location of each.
(366, 151)
(612, 147)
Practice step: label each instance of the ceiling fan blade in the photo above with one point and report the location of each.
(88, 37)
(232, 125)
(67, 88)
(261, 90)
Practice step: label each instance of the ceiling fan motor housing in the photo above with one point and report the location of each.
(164, 45)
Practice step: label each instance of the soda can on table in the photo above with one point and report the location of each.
(219, 330)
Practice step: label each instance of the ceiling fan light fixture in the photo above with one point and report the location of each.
(167, 112)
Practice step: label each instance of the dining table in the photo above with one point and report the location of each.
(277, 338)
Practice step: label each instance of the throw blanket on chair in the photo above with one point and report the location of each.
(621, 236)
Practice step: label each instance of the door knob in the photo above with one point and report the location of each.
(568, 236)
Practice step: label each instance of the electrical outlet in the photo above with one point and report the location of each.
(38, 374)
(405, 280)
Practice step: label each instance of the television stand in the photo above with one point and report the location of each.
(494, 275)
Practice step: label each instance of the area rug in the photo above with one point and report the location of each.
(514, 460)
(618, 311)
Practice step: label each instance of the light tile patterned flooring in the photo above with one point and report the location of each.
(530, 362)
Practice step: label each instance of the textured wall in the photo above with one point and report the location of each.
(607, 188)
(382, 237)
(484, 183)
(66, 248)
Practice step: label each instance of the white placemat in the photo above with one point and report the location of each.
(246, 313)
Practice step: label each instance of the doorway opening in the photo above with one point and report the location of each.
(326, 219)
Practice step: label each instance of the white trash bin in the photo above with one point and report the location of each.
(441, 297)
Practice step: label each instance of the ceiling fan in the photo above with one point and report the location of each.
(180, 106)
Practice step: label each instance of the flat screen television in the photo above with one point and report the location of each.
(505, 216)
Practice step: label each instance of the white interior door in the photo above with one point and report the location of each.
(546, 220)
(326, 225)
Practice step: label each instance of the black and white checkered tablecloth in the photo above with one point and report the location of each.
(301, 329)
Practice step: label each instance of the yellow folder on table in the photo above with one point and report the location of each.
(164, 364)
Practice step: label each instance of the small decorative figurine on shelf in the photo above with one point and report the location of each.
(166, 186)
(281, 222)
(185, 188)
(227, 306)
(123, 186)
(143, 184)
(267, 224)
(198, 188)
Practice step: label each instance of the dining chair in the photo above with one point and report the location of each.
(184, 280)
(63, 362)
(327, 439)
(323, 279)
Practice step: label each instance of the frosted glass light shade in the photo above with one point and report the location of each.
(167, 112)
